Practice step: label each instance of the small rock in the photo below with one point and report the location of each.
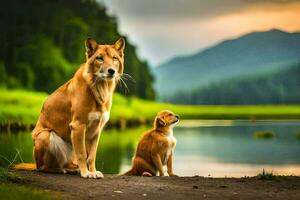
(223, 186)
(144, 195)
(118, 191)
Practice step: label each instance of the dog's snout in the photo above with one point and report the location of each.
(111, 71)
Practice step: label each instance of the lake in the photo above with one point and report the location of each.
(205, 148)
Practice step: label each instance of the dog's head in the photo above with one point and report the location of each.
(166, 119)
(105, 62)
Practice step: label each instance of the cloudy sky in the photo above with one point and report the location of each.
(163, 29)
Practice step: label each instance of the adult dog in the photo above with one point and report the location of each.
(71, 120)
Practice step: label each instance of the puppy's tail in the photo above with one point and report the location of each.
(60, 149)
(131, 172)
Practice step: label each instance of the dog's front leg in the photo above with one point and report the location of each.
(96, 126)
(158, 164)
(92, 152)
(170, 164)
(78, 142)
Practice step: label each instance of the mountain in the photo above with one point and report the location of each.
(280, 87)
(252, 54)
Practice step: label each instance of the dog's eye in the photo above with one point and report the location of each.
(99, 58)
(115, 58)
(170, 114)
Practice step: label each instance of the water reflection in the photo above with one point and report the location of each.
(232, 150)
(224, 149)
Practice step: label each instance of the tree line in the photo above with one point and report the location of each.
(42, 44)
(279, 87)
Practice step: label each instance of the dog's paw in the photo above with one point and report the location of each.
(96, 174)
(87, 174)
(99, 174)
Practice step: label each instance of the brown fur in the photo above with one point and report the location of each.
(156, 148)
(77, 112)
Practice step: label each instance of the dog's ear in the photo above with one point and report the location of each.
(90, 47)
(120, 46)
(160, 121)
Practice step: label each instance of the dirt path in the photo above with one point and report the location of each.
(161, 188)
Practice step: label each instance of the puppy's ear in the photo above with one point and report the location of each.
(120, 46)
(90, 47)
(160, 121)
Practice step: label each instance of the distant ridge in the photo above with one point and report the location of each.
(251, 54)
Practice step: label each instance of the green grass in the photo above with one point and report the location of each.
(24, 106)
(6, 176)
(20, 106)
(10, 189)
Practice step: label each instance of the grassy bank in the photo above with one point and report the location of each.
(10, 191)
(11, 188)
(17, 106)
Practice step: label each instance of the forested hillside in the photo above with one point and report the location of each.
(251, 54)
(281, 87)
(42, 43)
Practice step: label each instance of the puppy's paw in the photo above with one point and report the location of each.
(147, 174)
(172, 174)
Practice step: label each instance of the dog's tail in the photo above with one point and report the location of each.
(140, 167)
(61, 150)
(24, 166)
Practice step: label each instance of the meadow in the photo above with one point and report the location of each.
(23, 107)
(20, 106)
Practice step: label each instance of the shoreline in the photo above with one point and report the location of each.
(175, 188)
(121, 124)
(19, 111)
(6, 127)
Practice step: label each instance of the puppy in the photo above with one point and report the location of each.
(156, 147)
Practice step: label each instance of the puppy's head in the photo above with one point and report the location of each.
(105, 62)
(166, 119)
